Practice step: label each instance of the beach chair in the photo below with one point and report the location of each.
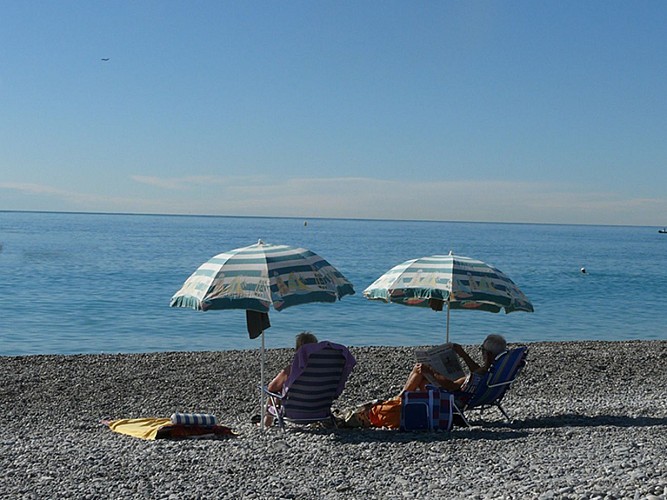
(493, 385)
(317, 377)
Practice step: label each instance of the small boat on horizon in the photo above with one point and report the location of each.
(663, 230)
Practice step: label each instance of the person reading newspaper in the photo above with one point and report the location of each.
(443, 359)
(424, 373)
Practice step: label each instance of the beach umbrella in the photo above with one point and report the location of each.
(451, 281)
(258, 277)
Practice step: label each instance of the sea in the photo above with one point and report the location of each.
(73, 283)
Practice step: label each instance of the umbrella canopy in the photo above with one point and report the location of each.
(457, 281)
(257, 277)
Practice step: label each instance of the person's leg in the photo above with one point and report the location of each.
(416, 381)
(268, 420)
(272, 409)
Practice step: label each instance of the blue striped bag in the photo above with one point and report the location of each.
(202, 419)
(426, 410)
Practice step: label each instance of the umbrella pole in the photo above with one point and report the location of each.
(262, 406)
(448, 321)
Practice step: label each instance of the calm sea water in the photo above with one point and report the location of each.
(90, 283)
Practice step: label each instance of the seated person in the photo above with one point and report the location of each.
(491, 347)
(278, 382)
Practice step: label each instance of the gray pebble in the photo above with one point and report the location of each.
(577, 434)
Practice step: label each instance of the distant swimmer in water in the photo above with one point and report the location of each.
(583, 270)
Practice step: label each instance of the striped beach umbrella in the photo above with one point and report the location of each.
(257, 277)
(451, 281)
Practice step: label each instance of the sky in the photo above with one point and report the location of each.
(495, 111)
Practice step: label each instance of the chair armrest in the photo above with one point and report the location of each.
(267, 391)
(500, 384)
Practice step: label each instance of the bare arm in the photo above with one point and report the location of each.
(471, 363)
(277, 384)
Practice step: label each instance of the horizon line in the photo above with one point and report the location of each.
(365, 219)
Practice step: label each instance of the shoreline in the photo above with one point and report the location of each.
(590, 419)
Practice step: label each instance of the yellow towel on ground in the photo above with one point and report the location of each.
(144, 428)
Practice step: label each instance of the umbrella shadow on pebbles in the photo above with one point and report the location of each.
(356, 436)
(575, 420)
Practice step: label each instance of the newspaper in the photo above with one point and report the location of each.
(443, 359)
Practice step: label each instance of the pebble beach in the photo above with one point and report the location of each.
(590, 422)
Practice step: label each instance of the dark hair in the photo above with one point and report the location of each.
(305, 338)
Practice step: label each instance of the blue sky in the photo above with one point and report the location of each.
(513, 111)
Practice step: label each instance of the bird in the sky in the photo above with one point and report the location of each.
(105, 58)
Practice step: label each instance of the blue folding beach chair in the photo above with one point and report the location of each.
(317, 377)
(493, 385)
